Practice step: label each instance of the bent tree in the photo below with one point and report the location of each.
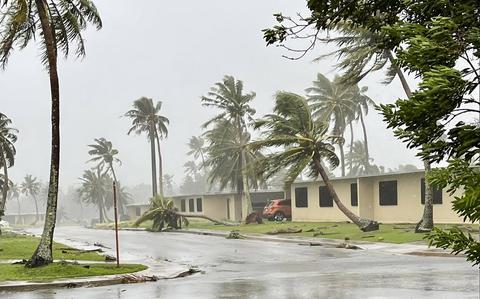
(301, 143)
(57, 24)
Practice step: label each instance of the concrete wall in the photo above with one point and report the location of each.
(408, 209)
(135, 211)
(314, 212)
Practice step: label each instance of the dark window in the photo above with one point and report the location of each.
(354, 195)
(437, 194)
(388, 193)
(182, 205)
(199, 205)
(138, 211)
(301, 197)
(325, 198)
(191, 205)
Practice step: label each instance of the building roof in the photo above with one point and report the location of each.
(361, 176)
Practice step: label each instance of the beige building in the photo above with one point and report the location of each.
(386, 198)
(220, 205)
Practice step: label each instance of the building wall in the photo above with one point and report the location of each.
(408, 209)
(314, 212)
(135, 211)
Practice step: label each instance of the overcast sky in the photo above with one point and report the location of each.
(172, 51)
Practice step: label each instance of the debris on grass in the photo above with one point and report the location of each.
(109, 258)
(235, 234)
(285, 231)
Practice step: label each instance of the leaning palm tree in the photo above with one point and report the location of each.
(331, 101)
(94, 190)
(104, 154)
(31, 187)
(8, 136)
(361, 52)
(305, 144)
(232, 163)
(57, 26)
(147, 120)
(164, 215)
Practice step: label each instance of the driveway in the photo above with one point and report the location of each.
(256, 269)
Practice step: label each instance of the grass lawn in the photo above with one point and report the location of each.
(390, 233)
(13, 246)
(58, 270)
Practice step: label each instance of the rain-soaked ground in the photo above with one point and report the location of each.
(256, 269)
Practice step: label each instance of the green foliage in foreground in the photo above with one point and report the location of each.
(14, 246)
(389, 233)
(59, 270)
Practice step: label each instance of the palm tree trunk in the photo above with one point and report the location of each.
(426, 223)
(365, 139)
(342, 157)
(351, 147)
(3, 200)
(160, 165)
(246, 200)
(363, 224)
(43, 253)
(154, 165)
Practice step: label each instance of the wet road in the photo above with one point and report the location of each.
(256, 269)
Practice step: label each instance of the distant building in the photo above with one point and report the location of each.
(386, 198)
(218, 205)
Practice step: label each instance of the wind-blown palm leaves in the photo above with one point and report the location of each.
(230, 134)
(95, 188)
(360, 165)
(14, 193)
(303, 143)
(104, 154)
(147, 120)
(231, 162)
(57, 25)
(197, 148)
(331, 101)
(31, 187)
(8, 136)
(164, 215)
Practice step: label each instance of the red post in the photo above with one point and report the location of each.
(116, 221)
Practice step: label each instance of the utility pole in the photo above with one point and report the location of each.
(116, 221)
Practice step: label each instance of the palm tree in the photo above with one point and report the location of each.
(104, 153)
(197, 148)
(305, 143)
(94, 190)
(14, 193)
(235, 111)
(7, 156)
(168, 181)
(58, 25)
(164, 215)
(362, 52)
(232, 162)
(358, 159)
(191, 168)
(146, 119)
(31, 187)
(361, 104)
(331, 101)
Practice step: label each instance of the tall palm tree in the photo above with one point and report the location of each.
(94, 190)
(104, 154)
(361, 52)
(235, 110)
(8, 136)
(361, 103)
(331, 101)
(57, 25)
(31, 187)
(146, 119)
(358, 159)
(197, 148)
(304, 143)
(232, 163)
(191, 168)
